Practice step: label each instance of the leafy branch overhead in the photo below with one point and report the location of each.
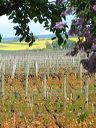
(23, 11)
(53, 16)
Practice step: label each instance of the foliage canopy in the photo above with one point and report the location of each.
(23, 11)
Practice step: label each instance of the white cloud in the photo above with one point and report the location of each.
(38, 29)
(4, 20)
(6, 27)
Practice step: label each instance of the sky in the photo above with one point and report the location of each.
(6, 27)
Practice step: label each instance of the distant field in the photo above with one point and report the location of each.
(75, 39)
(39, 44)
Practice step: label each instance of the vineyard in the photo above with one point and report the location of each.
(46, 89)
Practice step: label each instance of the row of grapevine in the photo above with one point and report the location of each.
(47, 65)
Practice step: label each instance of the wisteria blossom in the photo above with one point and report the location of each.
(94, 40)
(68, 11)
(59, 25)
(94, 7)
(87, 34)
(94, 47)
(78, 21)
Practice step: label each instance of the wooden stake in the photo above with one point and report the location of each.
(36, 69)
(14, 119)
(93, 110)
(27, 74)
(65, 93)
(73, 62)
(3, 79)
(86, 91)
(81, 71)
(14, 69)
(95, 76)
(81, 77)
(44, 86)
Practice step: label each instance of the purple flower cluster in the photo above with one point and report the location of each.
(78, 21)
(74, 32)
(94, 7)
(87, 33)
(76, 27)
(68, 11)
(94, 47)
(59, 25)
(94, 40)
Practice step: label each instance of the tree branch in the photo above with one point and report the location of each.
(8, 7)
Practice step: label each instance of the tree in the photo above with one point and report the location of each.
(23, 11)
(84, 26)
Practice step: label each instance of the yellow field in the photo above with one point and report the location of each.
(75, 39)
(40, 44)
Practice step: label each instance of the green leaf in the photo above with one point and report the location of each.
(21, 39)
(30, 44)
(65, 42)
(53, 38)
(60, 41)
(47, 28)
(35, 20)
(0, 38)
(32, 38)
(66, 35)
(27, 39)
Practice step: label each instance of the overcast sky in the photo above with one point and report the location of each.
(6, 27)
